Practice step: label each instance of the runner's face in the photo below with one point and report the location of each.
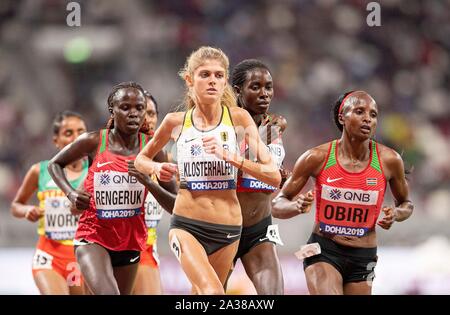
(70, 129)
(361, 117)
(151, 114)
(209, 82)
(129, 110)
(257, 91)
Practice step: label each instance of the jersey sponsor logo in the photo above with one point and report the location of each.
(278, 153)
(253, 183)
(59, 223)
(103, 164)
(343, 230)
(196, 149)
(117, 178)
(233, 235)
(329, 180)
(189, 140)
(117, 214)
(371, 181)
(351, 196)
(211, 185)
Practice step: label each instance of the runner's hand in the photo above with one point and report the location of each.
(165, 171)
(33, 214)
(132, 171)
(304, 202)
(211, 146)
(80, 199)
(389, 218)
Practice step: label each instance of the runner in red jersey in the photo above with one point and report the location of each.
(351, 176)
(111, 231)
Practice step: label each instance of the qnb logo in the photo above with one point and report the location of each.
(124, 179)
(196, 150)
(354, 196)
(335, 194)
(104, 179)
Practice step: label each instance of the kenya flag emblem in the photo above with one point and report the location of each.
(371, 181)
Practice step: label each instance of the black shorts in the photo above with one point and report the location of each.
(211, 236)
(118, 258)
(354, 264)
(252, 236)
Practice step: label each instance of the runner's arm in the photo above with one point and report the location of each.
(19, 206)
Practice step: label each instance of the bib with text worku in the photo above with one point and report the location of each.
(200, 170)
(60, 224)
(349, 203)
(57, 223)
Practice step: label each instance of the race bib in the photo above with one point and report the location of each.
(203, 171)
(273, 235)
(42, 260)
(60, 224)
(117, 195)
(175, 247)
(346, 211)
(153, 211)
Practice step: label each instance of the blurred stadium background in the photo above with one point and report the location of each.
(316, 50)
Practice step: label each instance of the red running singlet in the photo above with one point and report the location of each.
(115, 218)
(349, 203)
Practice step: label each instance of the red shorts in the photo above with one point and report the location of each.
(149, 257)
(52, 255)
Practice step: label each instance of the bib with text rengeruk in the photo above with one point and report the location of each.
(117, 195)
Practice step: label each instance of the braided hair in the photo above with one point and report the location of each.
(239, 74)
(124, 85)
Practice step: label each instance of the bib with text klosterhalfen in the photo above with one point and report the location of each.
(349, 203)
(202, 171)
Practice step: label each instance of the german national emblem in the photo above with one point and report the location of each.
(224, 136)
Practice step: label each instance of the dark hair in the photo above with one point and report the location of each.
(335, 110)
(239, 73)
(150, 96)
(124, 85)
(61, 116)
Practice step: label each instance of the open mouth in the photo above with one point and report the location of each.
(133, 123)
(365, 129)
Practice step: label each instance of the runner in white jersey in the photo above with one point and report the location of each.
(206, 221)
